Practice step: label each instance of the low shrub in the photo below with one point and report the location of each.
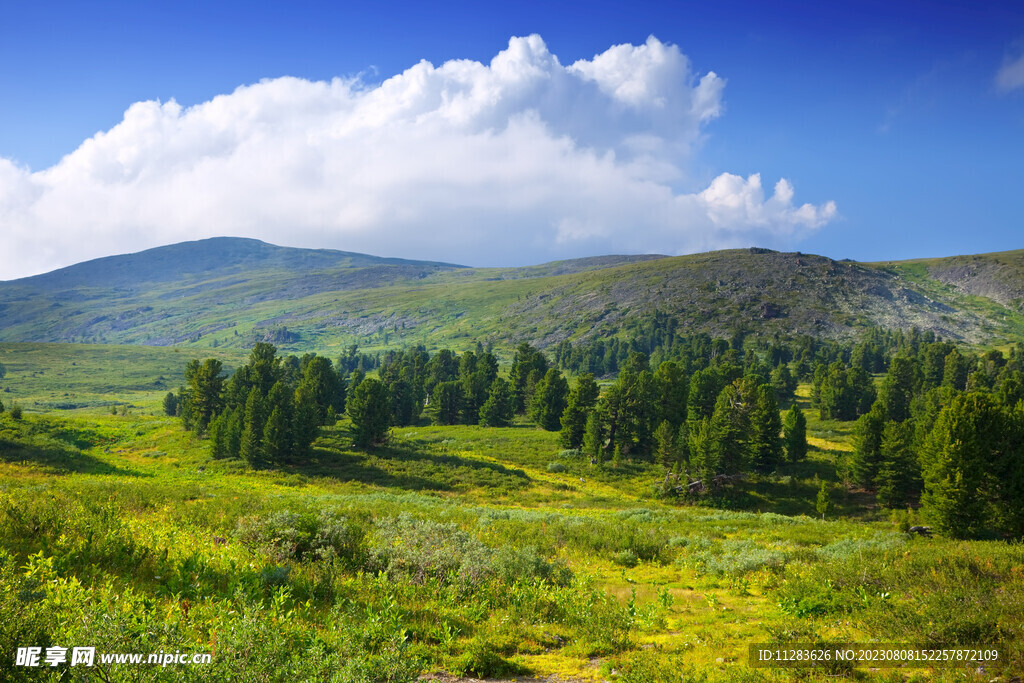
(482, 659)
(737, 557)
(305, 536)
(625, 558)
(422, 550)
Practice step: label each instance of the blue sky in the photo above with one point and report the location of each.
(910, 119)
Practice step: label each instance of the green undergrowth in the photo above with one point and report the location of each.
(453, 550)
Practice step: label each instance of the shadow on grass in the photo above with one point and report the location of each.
(793, 490)
(408, 466)
(58, 458)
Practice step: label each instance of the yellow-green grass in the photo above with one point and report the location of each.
(694, 598)
(116, 523)
(70, 377)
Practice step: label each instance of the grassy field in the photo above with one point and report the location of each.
(453, 549)
(76, 377)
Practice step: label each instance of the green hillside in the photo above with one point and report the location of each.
(232, 292)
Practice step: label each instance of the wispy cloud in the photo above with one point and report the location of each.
(516, 161)
(1011, 74)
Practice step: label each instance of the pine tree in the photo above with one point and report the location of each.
(1011, 388)
(703, 455)
(728, 432)
(369, 409)
(683, 442)
(783, 381)
(867, 447)
(251, 446)
(498, 409)
(823, 504)
(639, 412)
(862, 391)
(593, 438)
(446, 403)
(955, 370)
(764, 450)
(278, 430)
(898, 390)
(794, 429)
(219, 434)
(205, 383)
(264, 367)
(170, 404)
(957, 462)
(609, 408)
(582, 400)
(276, 438)
(404, 403)
(321, 386)
(843, 393)
(528, 366)
(672, 388)
(1009, 472)
(233, 432)
(665, 438)
(899, 474)
(549, 401)
(705, 385)
(443, 367)
(932, 361)
(475, 389)
(305, 425)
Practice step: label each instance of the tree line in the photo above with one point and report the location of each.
(268, 412)
(934, 424)
(946, 431)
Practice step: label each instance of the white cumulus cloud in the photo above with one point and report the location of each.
(513, 162)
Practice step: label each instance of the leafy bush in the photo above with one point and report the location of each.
(393, 664)
(602, 622)
(805, 596)
(625, 558)
(482, 660)
(654, 666)
(556, 467)
(695, 542)
(275, 576)
(849, 547)
(517, 564)
(422, 550)
(737, 557)
(305, 536)
(23, 618)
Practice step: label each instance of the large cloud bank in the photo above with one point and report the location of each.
(513, 162)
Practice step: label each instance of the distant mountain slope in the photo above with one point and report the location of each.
(231, 292)
(206, 259)
(995, 276)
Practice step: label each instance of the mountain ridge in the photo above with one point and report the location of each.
(233, 291)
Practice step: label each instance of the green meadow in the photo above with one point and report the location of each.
(469, 551)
